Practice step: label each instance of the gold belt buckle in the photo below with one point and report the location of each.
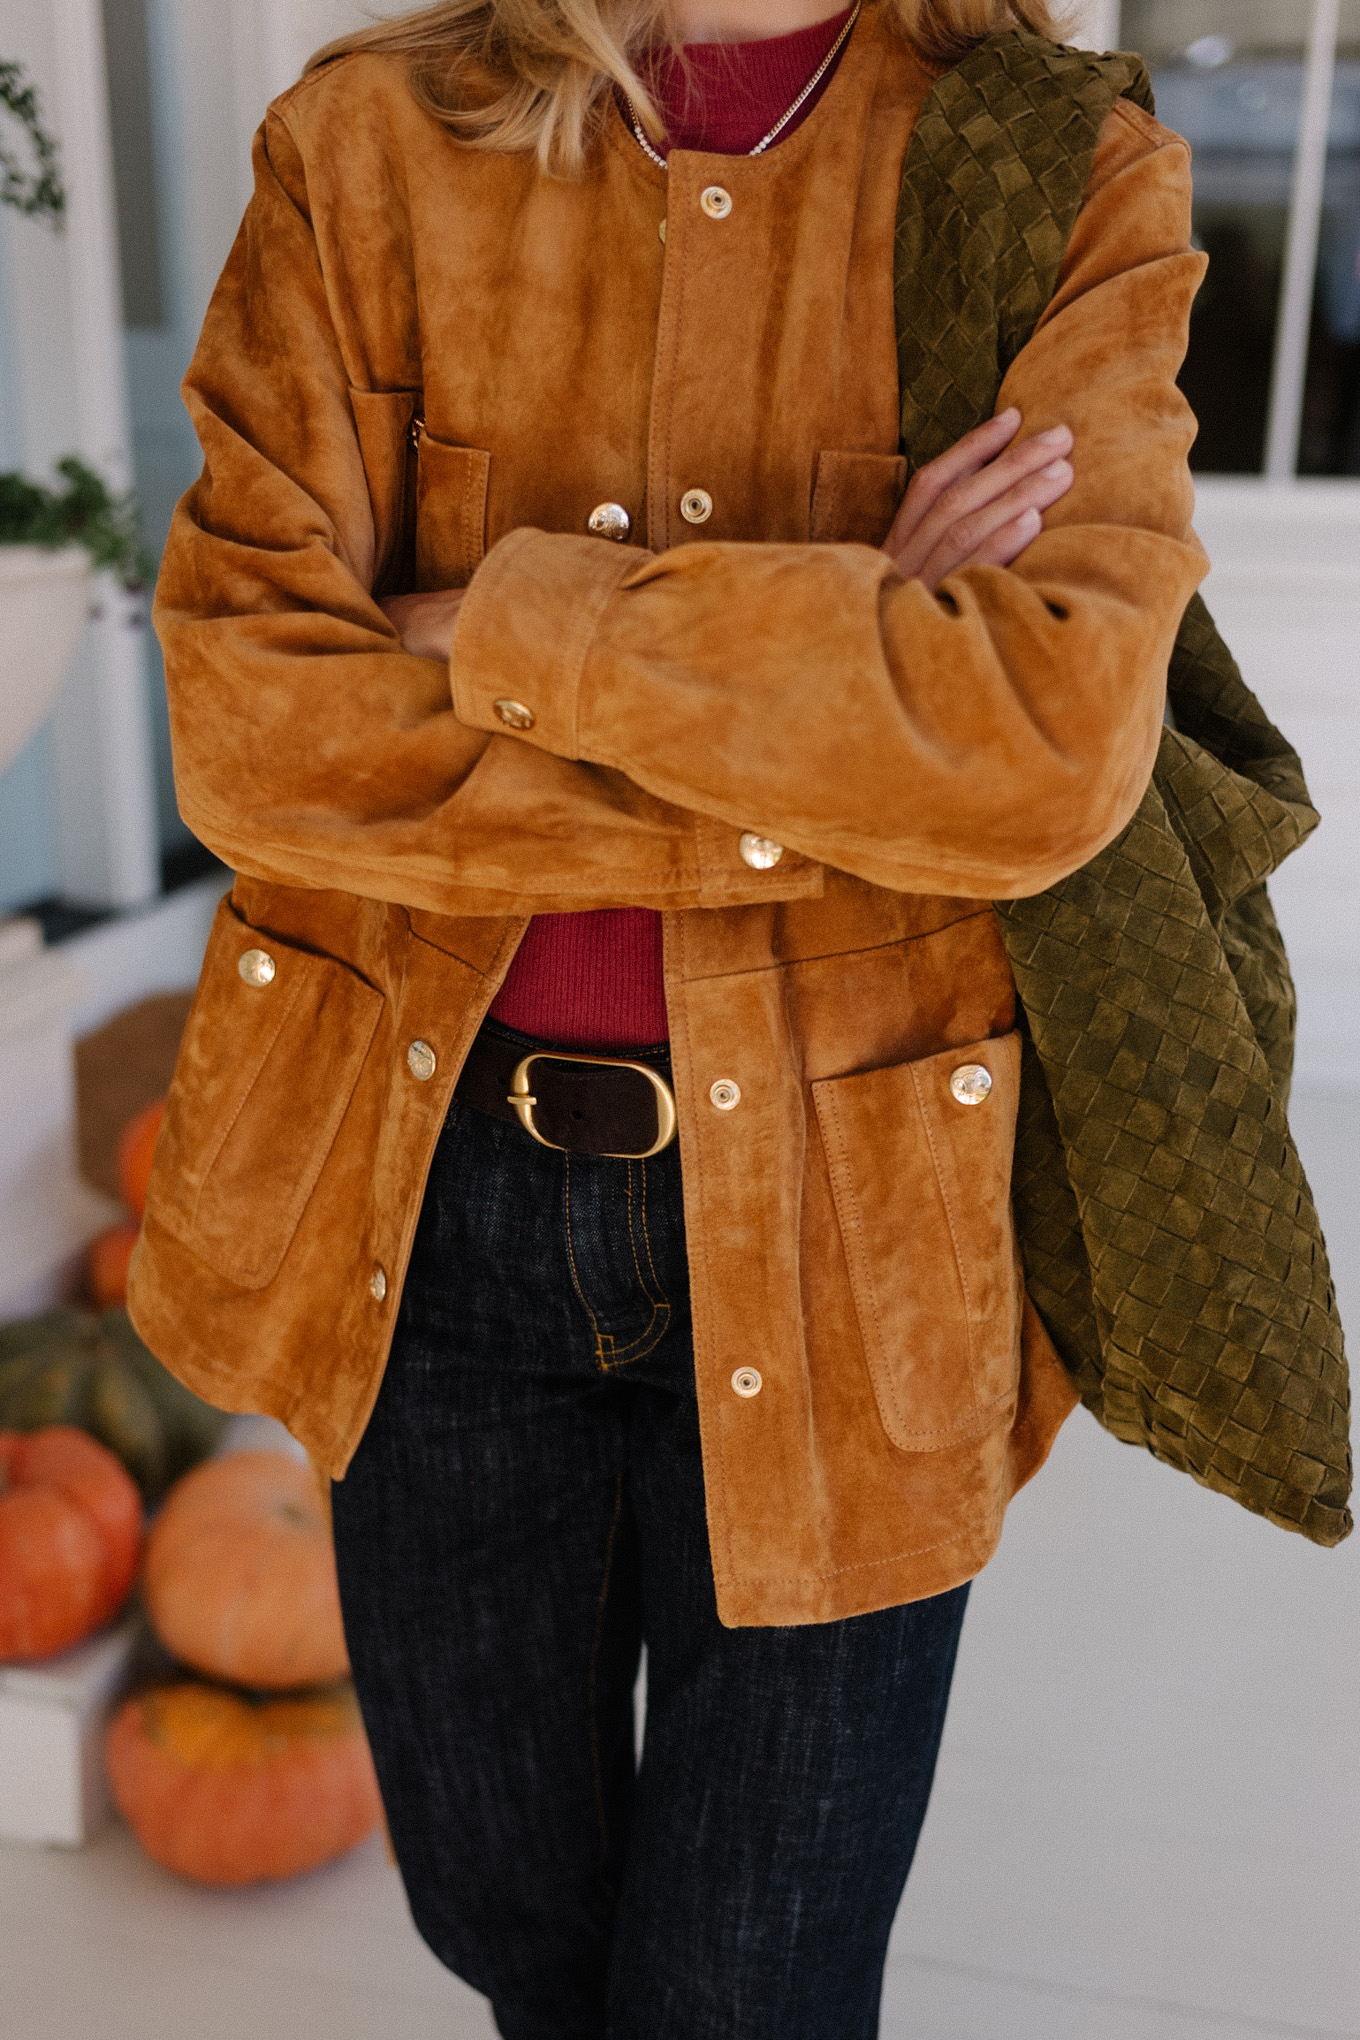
(524, 1101)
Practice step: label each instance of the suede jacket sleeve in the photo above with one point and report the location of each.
(986, 742)
(309, 747)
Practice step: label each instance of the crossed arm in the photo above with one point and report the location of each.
(981, 738)
(980, 504)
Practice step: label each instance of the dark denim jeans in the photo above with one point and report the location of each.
(525, 1510)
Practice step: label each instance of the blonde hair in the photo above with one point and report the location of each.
(536, 74)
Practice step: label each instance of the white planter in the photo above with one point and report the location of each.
(44, 607)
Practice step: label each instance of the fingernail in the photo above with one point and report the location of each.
(1059, 436)
(1058, 471)
(1004, 417)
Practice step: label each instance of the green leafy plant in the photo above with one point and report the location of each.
(84, 513)
(38, 192)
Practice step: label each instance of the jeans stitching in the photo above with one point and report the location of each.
(609, 1354)
(601, 1338)
(660, 1297)
(647, 1242)
(647, 1340)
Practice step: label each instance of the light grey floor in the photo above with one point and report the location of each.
(1146, 1824)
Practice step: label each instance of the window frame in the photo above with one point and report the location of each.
(1289, 367)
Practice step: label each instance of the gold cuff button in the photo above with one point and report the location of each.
(515, 715)
(725, 1094)
(377, 1285)
(609, 520)
(696, 506)
(716, 202)
(258, 968)
(421, 1061)
(972, 1084)
(760, 852)
(747, 1382)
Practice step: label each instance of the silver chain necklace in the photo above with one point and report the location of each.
(813, 82)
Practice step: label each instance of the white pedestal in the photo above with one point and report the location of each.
(47, 1214)
(52, 1721)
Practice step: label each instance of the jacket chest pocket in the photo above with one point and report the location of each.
(920, 1159)
(428, 498)
(450, 510)
(268, 1066)
(384, 423)
(855, 497)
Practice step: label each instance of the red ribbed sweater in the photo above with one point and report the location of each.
(594, 981)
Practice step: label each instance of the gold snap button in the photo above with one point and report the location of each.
(377, 1285)
(661, 232)
(972, 1084)
(725, 1094)
(422, 1061)
(609, 520)
(716, 202)
(747, 1382)
(696, 506)
(258, 968)
(515, 715)
(760, 852)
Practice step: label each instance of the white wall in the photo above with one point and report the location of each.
(1098, 25)
(1285, 589)
(273, 39)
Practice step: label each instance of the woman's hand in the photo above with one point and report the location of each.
(981, 503)
(425, 622)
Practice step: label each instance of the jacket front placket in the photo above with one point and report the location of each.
(751, 379)
(774, 345)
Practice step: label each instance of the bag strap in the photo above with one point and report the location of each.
(998, 166)
(1168, 1236)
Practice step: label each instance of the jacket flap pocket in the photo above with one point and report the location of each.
(451, 487)
(855, 497)
(271, 1055)
(383, 421)
(920, 1158)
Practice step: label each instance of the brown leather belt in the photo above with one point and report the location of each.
(586, 1104)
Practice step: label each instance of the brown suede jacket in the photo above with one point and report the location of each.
(418, 344)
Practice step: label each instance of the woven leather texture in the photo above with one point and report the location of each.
(1168, 1234)
(991, 188)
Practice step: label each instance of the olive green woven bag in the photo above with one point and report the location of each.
(1169, 1237)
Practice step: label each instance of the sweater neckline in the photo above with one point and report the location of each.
(722, 97)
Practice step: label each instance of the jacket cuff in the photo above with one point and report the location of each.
(523, 632)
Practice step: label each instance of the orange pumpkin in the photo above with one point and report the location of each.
(136, 1152)
(70, 1539)
(107, 1261)
(240, 1574)
(232, 1790)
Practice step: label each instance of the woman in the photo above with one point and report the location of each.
(554, 654)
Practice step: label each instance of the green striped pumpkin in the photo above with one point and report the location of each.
(76, 1367)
